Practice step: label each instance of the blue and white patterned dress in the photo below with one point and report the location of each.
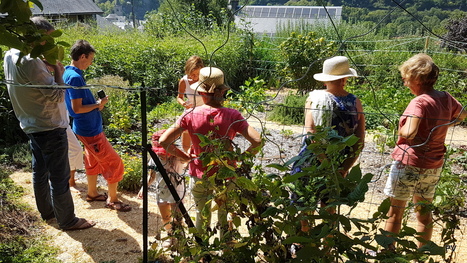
(332, 111)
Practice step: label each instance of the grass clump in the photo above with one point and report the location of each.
(18, 242)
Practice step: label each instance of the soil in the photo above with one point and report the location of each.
(117, 236)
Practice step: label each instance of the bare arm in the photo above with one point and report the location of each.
(254, 138)
(462, 116)
(360, 133)
(309, 122)
(78, 107)
(181, 94)
(410, 128)
(167, 140)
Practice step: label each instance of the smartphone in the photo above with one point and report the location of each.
(101, 94)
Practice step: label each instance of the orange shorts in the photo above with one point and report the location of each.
(101, 158)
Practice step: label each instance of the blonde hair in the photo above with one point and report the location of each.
(420, 68)
(194, 62)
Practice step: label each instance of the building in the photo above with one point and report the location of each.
(68, 10)
(267, 19)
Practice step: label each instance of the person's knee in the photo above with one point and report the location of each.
(424, 218)
(396, 214)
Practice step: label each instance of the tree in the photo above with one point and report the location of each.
(456, 38)
(210, 7)
(17, 31)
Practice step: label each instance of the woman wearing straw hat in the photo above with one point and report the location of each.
(337, 108)
(217, 122)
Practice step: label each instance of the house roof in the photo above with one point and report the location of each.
(67, 7)
(304, 12)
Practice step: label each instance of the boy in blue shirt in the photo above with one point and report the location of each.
(100, 157)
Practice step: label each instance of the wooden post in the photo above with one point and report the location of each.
(427, 41)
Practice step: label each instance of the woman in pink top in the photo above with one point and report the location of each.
(419, 153)
(216, 122)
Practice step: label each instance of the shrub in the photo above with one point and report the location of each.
(145, 60)
(10, 131)
(249, 98)
(133, 174)
(18, 155)
(167, 111)
(302, 55)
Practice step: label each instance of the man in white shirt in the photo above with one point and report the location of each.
(43, 117)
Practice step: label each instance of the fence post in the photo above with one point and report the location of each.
(427, 41)
(144, 142)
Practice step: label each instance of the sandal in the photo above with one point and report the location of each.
(96, 198)
(119, 206)
(81, 224)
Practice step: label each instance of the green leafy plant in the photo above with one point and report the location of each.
(287, 133)
(166, 110)
(19, 32)
(133, 171)
(303, 55)
(18, 155)
(249, 98)
(261, 202)
(291, 111)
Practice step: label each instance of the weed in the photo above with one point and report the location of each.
(287, 133)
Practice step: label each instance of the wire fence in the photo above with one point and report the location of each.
(355, 50)
(375, 157)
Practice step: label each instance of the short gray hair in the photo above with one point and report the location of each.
(42, 23)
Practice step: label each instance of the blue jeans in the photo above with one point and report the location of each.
(51, 172)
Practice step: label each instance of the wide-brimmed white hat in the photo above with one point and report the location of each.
(335, 68)
(210, 78)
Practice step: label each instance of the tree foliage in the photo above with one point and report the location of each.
(302, 54)
(139, 7)
(456, 37)
(17, 31)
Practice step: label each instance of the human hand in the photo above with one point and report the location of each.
(102, 102)
(140, 194)
(57, 68)
(187, 105)
(188, 158)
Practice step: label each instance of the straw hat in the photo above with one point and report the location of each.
(210, 78)
(335, 68)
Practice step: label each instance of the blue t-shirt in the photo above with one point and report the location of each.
(84, 124)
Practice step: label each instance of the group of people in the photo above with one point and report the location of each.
(207, 117)
(418, 156)
(44, 116)
(419, 153)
